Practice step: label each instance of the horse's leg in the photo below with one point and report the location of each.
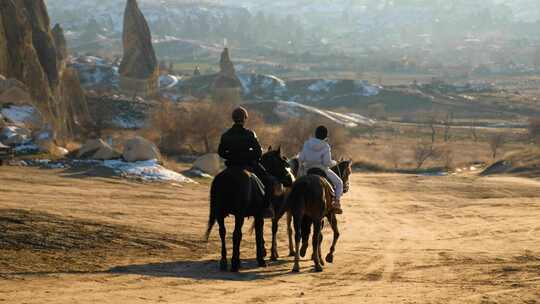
(259, 238)
(320, 244)
(297, 236)
(237, 239)
(306, 231)
(334, 224)
(290, 234)
(316, 242)
(222, 235)
(274, 255)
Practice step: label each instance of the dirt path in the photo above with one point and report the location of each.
(405, 239)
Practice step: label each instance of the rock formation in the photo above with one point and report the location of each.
(139, 70)
(18, 57)
(60, 43)
(43, 39)
(29, 54)
(227, 86)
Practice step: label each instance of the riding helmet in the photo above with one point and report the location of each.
(321, 133)
(240, 115)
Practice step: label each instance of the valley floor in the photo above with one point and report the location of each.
(405, 239)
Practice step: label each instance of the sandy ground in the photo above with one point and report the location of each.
(405, 239)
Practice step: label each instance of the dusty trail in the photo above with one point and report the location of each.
(404, 239)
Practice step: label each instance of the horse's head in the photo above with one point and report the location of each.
(278, 166)
(344, 171)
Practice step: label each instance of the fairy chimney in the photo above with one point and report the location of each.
(61, 45)
(227, 87)
(139, 70)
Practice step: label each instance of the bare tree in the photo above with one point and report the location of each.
(393, 154)
(422, 152)
(447, 122)
(534, 130)
(496, 141)
(473, 130)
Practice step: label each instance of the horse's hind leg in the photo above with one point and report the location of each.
(290, 234)
(320, 244)
(274, 254)
(297, 237)
(316, 242)
(306, 231)
(259, 239)
(222, 235)
(237, 239)
(334, 224)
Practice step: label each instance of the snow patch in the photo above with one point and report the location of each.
(19, 114)
(288, 109)
(127, 122)
(149, 170)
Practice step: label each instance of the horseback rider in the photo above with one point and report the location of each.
(240, 147)
(316, 153)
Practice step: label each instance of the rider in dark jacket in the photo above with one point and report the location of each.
(240, 147)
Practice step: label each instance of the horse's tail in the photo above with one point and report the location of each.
(212, 213)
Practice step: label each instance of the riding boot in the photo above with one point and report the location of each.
(336, 207)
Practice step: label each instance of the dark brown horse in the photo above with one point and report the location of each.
(343, 170)
(235, 192)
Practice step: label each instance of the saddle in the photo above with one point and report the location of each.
(255, 180)
(320, 172)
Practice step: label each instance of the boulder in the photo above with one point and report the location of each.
(139, 149)
(97, 149)
(15, 95)
(51, 148)
(14, 136)
(209, 163)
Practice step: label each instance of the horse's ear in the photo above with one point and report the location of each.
(269, 148)
(279, 150)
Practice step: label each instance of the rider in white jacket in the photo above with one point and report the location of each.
(316, 153)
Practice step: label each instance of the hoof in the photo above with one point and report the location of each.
(274, 258)
(322, 262)
(235, 267)
(330, 258)
(296, 269)
(264, 253)
(318, 268)
(261, 263)
(223, 265)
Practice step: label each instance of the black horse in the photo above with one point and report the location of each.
(343, 170)
(236, 192)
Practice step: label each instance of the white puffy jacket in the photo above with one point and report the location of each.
(316, 153)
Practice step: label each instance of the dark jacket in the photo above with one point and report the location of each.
(240, 146)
